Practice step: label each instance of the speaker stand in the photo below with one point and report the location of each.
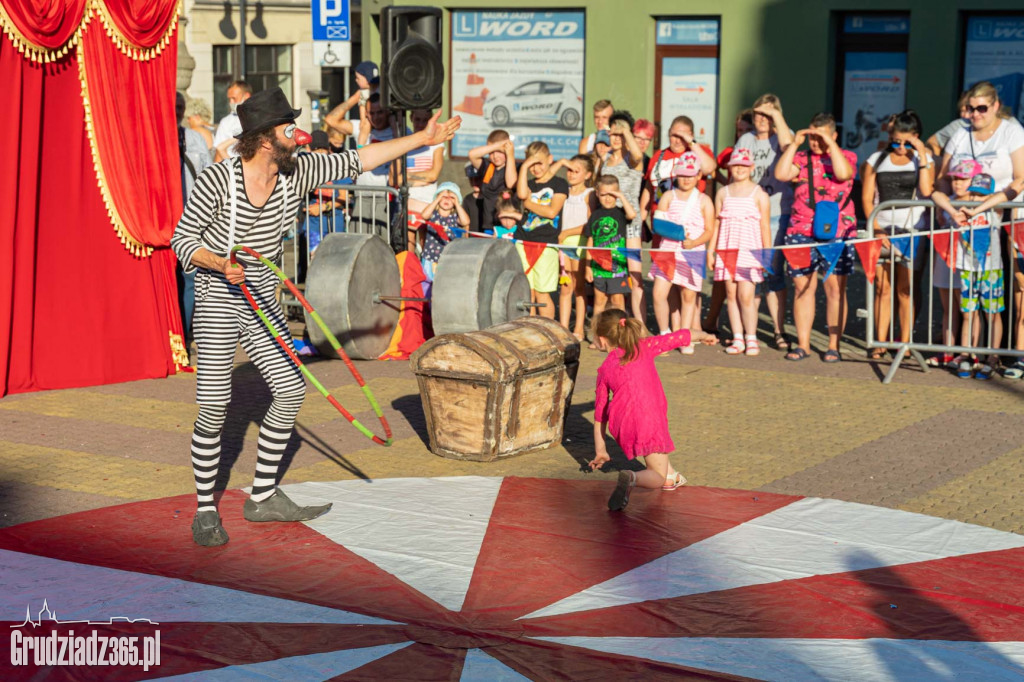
(400, 234)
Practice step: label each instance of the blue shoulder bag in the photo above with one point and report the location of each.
(826, 213)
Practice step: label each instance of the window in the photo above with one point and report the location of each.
(994, 52)
(265, 65)
(686, 75)
(551, 89)
(871, 77)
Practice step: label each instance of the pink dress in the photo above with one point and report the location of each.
(685, 212)
(740, 229)
(637, 412)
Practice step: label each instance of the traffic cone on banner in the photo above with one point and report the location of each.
(476, 93)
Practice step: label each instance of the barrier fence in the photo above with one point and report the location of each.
(948, 275)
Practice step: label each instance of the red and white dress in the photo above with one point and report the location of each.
(688, 213)
(740, 229)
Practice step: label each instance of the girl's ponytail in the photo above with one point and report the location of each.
(621, 331)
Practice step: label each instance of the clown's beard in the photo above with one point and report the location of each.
(284, 158)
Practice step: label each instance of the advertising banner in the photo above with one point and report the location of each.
(689, 85)
(521, 72)
(874, 88)
(995, 53)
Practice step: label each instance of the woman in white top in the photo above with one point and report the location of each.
(575, 213)
(902, 171)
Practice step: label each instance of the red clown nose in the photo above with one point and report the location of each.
(301, 137)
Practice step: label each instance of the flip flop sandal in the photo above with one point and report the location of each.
(831, 356)
(673, 483)
(797, 354)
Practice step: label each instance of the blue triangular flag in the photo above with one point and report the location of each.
(979, 240)
(570, 251)
(765, 258)
(697, 260)
(831, 253)
(457, 231)
(668, 229)
(907, 246)
(632, 254)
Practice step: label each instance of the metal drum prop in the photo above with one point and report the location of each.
(345, 276)
(479, 283)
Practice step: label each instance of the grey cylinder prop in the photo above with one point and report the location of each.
(345, 274)
(479, 283)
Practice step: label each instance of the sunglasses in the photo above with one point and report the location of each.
(901, 145)
(981, 109)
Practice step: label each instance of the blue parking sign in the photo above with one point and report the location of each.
(330, 19)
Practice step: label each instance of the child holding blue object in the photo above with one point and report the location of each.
(636, 414)
(447, 213)
(683, 205)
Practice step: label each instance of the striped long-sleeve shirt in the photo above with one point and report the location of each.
(206, 220)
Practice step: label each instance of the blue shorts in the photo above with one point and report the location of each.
(844, 265)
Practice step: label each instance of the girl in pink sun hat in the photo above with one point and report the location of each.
(684, 205)
(742, 225)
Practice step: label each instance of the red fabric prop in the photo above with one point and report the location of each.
(945, 247)
(76, 309)
(414, 326)
(798, 258)
(533, 250)
(666, 262)
(868, 252)
(729, 257)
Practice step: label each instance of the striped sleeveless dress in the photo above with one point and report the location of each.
(685, 212)
(740, 229)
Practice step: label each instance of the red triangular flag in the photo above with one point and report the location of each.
(798, 258)
(1015, 230)
(533, 250)
(666, 262)
(603, 257)
(729, 257)
(868, 252)
(415, 220)
(941, 241)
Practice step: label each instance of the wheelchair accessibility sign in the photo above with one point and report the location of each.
(331, 20)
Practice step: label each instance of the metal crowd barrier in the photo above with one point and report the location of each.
(949, 326)
(360, 209)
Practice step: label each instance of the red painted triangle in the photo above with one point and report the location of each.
(666, 262)
(729, 257)
(544, 530)
(420, 661)
(868, 252)
(945, 247)
(603, 257)
(533, 250)
(798, 258)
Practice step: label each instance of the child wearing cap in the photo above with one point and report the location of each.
(495, 164)
(978, 261)
(684, 205)
(444, 213)
(741, 226)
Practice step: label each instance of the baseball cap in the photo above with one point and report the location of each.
(687, 166)
(602, 137)
(966, 168)
(369, 71)
(740, 157)
(983, 183)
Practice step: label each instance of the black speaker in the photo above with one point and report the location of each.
(412, 71)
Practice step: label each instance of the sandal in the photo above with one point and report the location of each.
(780, 342)
(944, 360)
(736, 347)
(881, 354)
(674, 482)
(752, 346)
(797, 354)
(831, 356)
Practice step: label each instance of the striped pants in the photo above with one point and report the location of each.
(224, 319)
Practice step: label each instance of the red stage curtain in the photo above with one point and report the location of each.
(41, 24)
(76, 308)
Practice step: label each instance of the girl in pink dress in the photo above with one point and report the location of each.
(687, 206)
(637, 413)
(742, 225)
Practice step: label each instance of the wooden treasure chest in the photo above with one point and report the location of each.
(497, 392)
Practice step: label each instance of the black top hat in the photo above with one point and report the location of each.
(265, 109)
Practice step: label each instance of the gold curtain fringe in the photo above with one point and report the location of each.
(43, 55)
(178, 351)
(135, 247)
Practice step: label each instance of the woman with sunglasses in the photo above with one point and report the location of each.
(902, 171)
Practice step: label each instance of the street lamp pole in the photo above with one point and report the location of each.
(241, 39)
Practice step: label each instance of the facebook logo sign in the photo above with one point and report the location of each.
(330, 19)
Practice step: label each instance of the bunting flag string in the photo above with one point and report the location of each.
(798, 258)
(697, 260)
(666, 262)
(765, 258)
(945, 246)
(831, 252)
(869, 252)
(603, 257)
(907, 246)
(571, 251)
(729, 258)
(533, 250)
(632, 254)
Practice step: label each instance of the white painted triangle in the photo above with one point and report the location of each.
(811, 536)
(427, 532)
(480, 667)
(74, 591)
(310, 668)
(794, 660)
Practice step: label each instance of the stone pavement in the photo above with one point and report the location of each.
(928, 443)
